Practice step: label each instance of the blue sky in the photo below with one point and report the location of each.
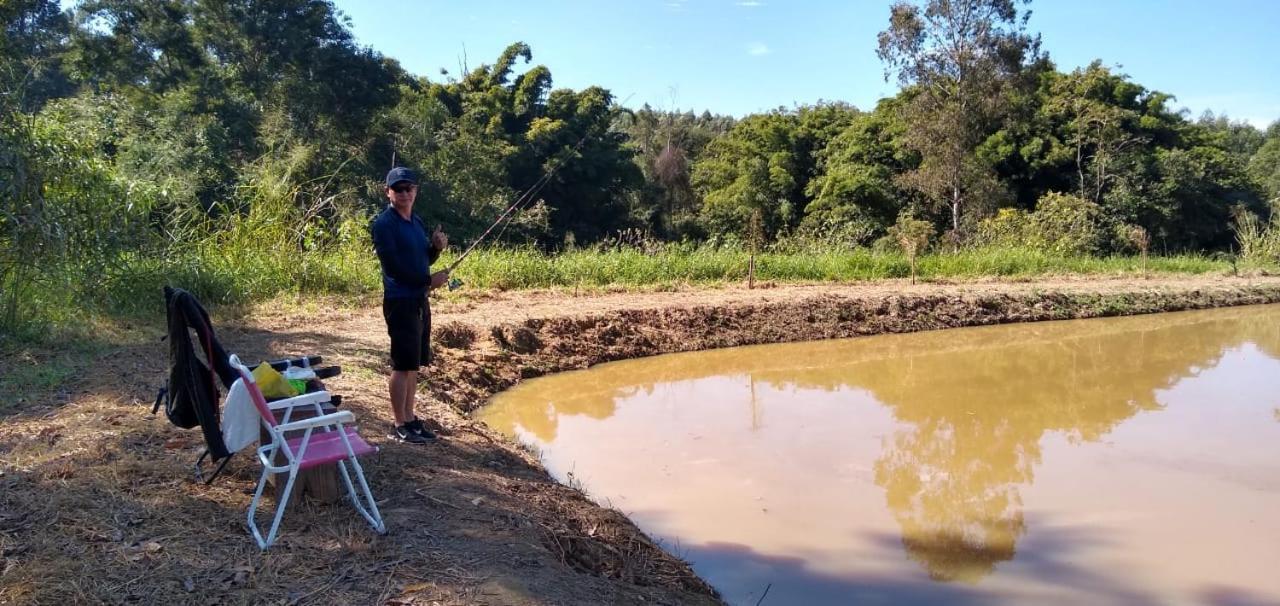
(743, 56)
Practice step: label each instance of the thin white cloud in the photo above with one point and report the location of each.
(758, 49)
(749, 3)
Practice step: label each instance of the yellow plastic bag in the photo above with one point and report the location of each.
(272, 383)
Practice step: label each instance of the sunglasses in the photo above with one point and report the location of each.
(400, 189)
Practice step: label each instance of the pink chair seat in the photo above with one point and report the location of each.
(326, 447)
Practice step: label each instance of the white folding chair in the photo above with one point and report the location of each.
(336, 442)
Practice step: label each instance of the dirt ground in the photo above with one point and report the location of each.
(98, 503)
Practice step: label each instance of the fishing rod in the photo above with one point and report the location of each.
(510, 211)
(522, 200)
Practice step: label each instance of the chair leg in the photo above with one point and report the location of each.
(253, 509)
(264, 543)
(216, 472)
(282, 506)
(370, 513)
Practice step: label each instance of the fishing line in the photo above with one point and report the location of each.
(522, 201)
(511, 210)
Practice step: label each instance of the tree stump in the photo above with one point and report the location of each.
(321, 482)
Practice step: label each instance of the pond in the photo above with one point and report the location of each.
(1123, 460)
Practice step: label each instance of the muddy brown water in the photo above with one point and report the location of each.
(1123, 460)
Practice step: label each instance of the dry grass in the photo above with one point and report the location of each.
(98, 503)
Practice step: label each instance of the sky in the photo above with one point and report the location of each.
(744, 56)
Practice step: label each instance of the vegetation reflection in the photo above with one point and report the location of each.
(975, 405)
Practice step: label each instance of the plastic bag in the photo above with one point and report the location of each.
(298, 377)
(272, 383)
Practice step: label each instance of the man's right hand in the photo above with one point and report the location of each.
(439, 239)
(439, 279)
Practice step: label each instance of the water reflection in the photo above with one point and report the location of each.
(971, 409)
(822, 365)
(976, 419)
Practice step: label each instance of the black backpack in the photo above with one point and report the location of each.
(191, 396)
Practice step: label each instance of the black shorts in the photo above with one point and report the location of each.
(409, 326)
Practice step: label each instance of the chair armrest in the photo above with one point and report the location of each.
(306, 399)
(342, 416)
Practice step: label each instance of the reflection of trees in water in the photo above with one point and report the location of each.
(539, 405)
(1267, 337)
(824, 365)
(978, 403)
(955, 498)
(977, 418)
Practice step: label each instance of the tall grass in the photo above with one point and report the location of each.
(95, 246)
(243, 265)
(1259, 239)
(525, 268)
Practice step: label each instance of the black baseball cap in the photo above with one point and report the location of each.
(401, 174)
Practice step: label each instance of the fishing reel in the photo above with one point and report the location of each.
(455, 284)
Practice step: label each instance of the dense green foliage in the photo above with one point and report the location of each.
(236, 148)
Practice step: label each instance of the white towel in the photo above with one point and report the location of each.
(239, 418)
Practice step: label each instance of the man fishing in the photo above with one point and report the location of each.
(406, 254)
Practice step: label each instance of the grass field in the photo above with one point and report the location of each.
(240, 274)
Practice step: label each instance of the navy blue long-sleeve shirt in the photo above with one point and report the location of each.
(405, 253)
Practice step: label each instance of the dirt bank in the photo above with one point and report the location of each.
(97, 502)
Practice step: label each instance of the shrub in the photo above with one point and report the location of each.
(913, 237)
(1068, 225)
(1061, 224)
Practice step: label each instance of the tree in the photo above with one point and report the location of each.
(958, 57)
(765, 163)
(1264, 166)
(129, 46)
(752, 167)
(1101, 113)
(495, 132)
(297, 55)
(587, 194)
(1120, 146)
(32, 69)
(1197, 185)
(855, 194)
(220, 91)
(464, 180)
(1238, 138)
(667, 144)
